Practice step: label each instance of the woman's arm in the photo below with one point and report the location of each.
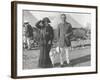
(39, 24)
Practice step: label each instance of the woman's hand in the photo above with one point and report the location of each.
(50, 42)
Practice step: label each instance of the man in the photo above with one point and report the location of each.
(64, 33)
(28, 33)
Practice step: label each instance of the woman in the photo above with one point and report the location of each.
(46, 37)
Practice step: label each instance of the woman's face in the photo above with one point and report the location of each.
(46, 23)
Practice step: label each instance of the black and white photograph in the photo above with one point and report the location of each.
(53, 39)
(56, 39)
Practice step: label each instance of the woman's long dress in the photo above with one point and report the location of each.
(46, 36)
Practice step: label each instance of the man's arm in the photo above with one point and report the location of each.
(70, 32)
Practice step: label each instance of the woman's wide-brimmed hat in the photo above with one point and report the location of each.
(46, 19)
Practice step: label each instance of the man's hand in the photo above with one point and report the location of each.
(66, 35)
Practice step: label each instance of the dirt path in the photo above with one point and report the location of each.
(78, 57)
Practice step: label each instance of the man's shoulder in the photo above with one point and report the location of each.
(65, 22)
(29, 25)
(68, 23)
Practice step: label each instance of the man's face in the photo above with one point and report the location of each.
(63, 18)
(26, 25)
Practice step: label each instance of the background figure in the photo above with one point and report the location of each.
(28, 33)
(46, 37)
(64, 33)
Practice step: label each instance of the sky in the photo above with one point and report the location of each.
(82, 19)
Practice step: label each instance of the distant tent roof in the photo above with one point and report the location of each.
(30, 18)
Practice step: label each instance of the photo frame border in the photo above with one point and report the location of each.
(14, 37)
